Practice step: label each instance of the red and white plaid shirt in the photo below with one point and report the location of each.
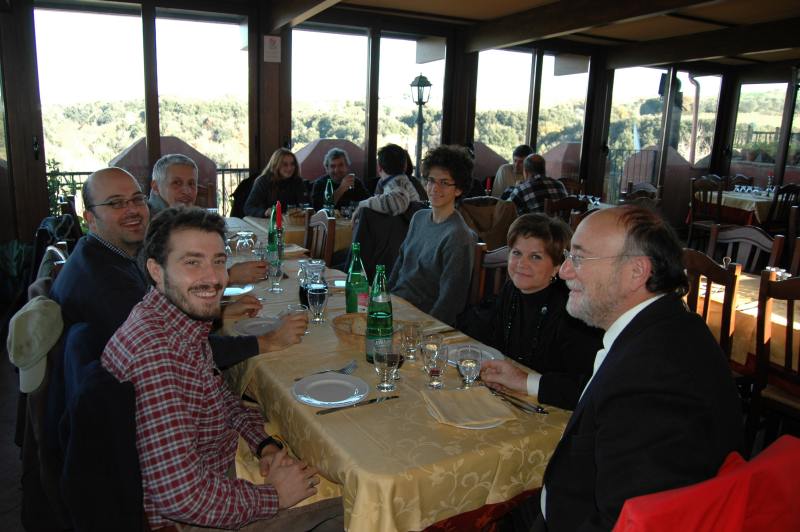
(187, 421)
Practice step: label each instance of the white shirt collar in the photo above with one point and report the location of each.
(617, 327)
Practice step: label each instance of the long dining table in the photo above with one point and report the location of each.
(394, 466)
(294, 230)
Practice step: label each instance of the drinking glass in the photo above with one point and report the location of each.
(431, 343)
(469, 359)
(245, 244)
(298, 308)
(436, 363)
(317, 298)
(410, 340)
(387, 360)
(275, 273)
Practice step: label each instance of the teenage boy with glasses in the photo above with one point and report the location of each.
(434, 266)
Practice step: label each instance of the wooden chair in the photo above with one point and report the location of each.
(705, 206)
(746, 245)
(699, 265)
(574, 187)
(320, 235)
(785, 198)
(562, 208)
(739, 180)
(575, 218)
(488, 263)
(776, 393)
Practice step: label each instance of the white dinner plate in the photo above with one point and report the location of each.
(489, 353)
(233, 291)
(256, 326)
(330, 389)
(491, 425)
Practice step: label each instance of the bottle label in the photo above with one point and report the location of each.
(383, 297)
(363, 302)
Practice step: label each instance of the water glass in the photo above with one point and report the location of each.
(431, 343)
(298, 308)
(245, 243)
(387, 361)
(410, 336)
(436, 363)
(275, 273)
(317, 298)
(469, 358)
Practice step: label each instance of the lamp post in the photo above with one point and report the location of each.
(420, 92)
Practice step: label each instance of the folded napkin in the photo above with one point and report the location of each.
(475, 407)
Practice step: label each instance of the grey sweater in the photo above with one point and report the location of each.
(434, 267)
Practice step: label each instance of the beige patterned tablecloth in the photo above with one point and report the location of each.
(294, 232)
(395, 467)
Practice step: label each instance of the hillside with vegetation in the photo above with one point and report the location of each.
(85, 136)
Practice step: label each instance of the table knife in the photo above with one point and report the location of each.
(362, 403)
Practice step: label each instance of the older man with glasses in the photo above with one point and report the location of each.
(434, 266)
(660, 410)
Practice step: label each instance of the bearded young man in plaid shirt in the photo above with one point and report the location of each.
(187, 420)
(529, 195)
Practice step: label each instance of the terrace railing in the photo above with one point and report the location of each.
(71, 183)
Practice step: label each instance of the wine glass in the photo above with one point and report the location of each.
(410, 337)
(317, 298)
(245, 244)
(431, 343)
(436, 363)
(469, 360)
(298, 308)
(386, 360)
(275, 273)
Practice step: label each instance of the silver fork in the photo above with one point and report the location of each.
(345, 370)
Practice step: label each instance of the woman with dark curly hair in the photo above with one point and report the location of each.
(529, 322)
(433, 268)
(280, 181)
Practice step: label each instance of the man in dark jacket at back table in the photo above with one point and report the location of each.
(661, 410)
(347, 188)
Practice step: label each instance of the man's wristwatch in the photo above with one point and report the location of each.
(269, 440)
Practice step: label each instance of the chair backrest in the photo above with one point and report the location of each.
(575, 218)
(320, 235)
(66, 206)
(738, 180)
(706, 199)
(489, 217)
(490, 268)
(700, 266)
(746, 245)
(573, 186)
(785, 197)
(562, 208)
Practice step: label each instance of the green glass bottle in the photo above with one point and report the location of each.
(272, 233)
(328, 202)
(379, 314)
(356, 289)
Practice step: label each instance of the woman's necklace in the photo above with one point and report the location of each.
(515, 301)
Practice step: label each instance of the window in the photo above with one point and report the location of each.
(758, 127)
(501, 102)
(202, 87)
(397, 119)
(329, 86)
(634, 132)
(562, 110)
(792, 173)
(693, 137)
(92, 91)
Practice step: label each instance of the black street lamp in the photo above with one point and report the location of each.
(420, 92)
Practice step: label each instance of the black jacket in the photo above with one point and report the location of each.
(537, 331)
(290, 191)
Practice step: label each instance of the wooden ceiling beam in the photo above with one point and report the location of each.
(727, 42)
(564, 17)
(280, 13)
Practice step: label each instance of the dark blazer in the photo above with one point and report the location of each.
(291, 191)
(358, 193)
(661, 412)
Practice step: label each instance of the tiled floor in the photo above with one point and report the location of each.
(10, 464)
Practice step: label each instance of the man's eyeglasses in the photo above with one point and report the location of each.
(440, 183)
(120, 203)
(577, 260)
